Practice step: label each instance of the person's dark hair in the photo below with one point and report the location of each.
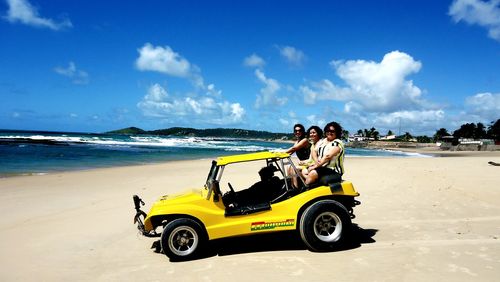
(336, 126)
(267, 172)
(302, 130)
(317, 129)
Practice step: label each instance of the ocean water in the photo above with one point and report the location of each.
(27, 152)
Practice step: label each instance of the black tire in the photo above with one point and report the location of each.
(183, 239)
(325, 226)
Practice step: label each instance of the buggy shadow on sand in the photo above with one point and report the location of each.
(268, 242)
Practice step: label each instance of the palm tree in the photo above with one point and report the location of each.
(494, 130)
(480, 132)
(372, 130)
(465, 131)
(345, 134)
(440, 133)
(424, 139)
(407, 137)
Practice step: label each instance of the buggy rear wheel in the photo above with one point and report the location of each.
(325, 225)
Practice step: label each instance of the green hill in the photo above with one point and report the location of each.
(212, 132)
(128, 131)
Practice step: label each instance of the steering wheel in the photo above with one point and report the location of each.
(232, 196)
(231, 188)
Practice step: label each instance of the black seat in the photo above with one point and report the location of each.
(329, 179)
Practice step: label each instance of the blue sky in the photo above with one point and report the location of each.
(94, 66)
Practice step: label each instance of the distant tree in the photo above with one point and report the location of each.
(465, 131)
(471, 130)
(371, 131)
(480, 132)
(389, 133)
(440, 133)
(494, 130)
(424, 139)
(345, 134)
(407, 137)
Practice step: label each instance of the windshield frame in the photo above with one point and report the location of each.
(217, 170)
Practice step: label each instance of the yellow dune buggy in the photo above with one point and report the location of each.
(187, 222)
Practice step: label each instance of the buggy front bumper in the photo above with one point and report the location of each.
(139, 218)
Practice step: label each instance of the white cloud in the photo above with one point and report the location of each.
(484, 105)
(413, 117)
(324, 90)
(235, 111)
(284, 122)
(371, 86)
(292, 55)
(77, 76)
(311, 118)
(208, 110)
(482, 13)
(162, 59)
(211, 90)
(254, 61)
(417, 122)
(167, 61)
(22, 11)
(156, 94)
(268, 95)
(375, 94)
(381, 86)
(315, 120)
(287, 122)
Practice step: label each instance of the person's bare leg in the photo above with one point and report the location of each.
(303, 175)
(311, 177)
(293, 176)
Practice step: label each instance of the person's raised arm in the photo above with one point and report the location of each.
(314, 154)
(299, 145)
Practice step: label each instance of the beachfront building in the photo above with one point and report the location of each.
(465, 144)
(388, 137)
(357, 138)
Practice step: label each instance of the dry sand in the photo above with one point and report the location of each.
(421, 219)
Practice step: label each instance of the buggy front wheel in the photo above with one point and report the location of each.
(183, 239)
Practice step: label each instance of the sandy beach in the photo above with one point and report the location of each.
(421, 219)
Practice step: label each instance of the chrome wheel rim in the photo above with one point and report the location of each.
(183, 240)
(328, 227)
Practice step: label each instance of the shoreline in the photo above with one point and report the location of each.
(421, 153)
(96, 169)
(435, 151)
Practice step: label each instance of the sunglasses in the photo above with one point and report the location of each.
(298, 130)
